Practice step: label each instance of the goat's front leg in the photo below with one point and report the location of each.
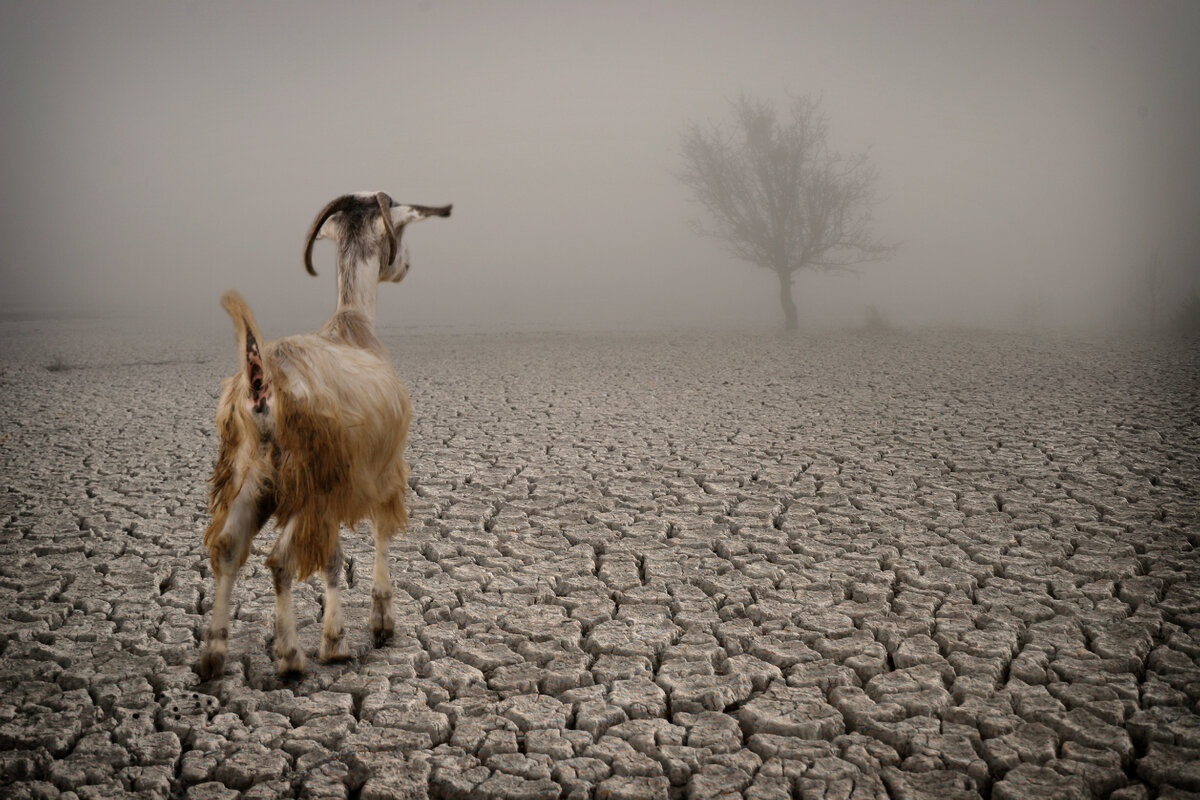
(227, 552)
(334, 627)
(383, 615)
(288, 657)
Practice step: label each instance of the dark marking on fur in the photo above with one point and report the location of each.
(310, 489)
(334, 564)
(280, 579)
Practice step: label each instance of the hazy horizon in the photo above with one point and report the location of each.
(1031, 156)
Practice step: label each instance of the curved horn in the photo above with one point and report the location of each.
(328, 211)
(385, 210)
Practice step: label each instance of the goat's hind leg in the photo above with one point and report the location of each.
(383, 613)
(334, 623)
(227, 551)
(289, 660)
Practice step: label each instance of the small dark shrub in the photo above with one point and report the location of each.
(875, 321)
(59, 364)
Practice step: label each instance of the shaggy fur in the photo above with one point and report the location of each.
(312, 431)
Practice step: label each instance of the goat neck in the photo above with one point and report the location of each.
(358, 284)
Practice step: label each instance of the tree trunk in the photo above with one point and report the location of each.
(785, 299)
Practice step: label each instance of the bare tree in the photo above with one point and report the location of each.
(778, 197)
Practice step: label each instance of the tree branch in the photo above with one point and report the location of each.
(776, 195)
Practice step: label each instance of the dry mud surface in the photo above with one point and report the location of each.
(913, 566)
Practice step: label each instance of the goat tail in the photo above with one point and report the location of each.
(250, 344)
(244, 324)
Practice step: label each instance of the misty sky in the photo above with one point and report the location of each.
(157, 153)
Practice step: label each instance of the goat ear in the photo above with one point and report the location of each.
(314, 230)
(403, 214)
(385, 212)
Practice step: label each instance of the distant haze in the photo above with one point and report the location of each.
(154, 154)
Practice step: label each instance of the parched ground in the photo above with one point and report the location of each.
(921, 565)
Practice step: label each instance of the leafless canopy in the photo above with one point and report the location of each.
(778, 196)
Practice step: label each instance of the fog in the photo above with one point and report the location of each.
(1031, 156)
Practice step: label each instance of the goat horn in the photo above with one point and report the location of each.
(385, 210)
(328, 211)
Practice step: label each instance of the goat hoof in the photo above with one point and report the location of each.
(290, 669)
(332, 653)
(290, 664)
(382, 636)
(210, 665)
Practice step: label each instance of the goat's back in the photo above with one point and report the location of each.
(341, 417)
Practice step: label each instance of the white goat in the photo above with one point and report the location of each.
(312, 431)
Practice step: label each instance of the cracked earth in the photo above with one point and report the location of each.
(919, 566)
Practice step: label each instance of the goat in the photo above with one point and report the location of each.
(311, 431)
